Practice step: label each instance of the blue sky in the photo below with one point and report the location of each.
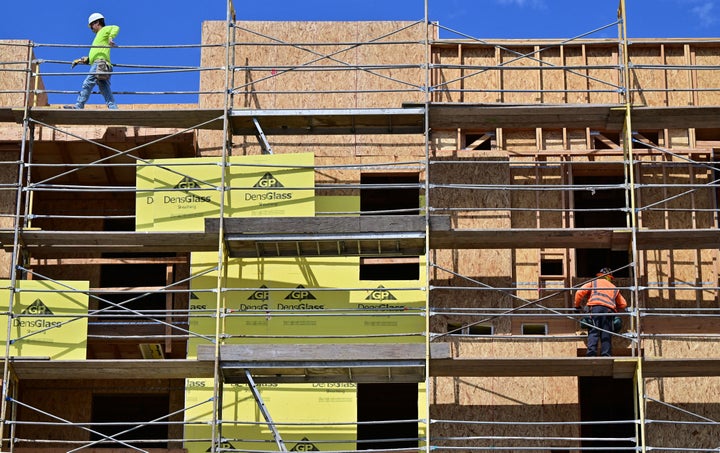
(178, 22)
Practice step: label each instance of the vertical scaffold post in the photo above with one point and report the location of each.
(428, 33)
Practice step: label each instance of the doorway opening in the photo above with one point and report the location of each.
(612, 401)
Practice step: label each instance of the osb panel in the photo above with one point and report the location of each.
(577, 139)
(678, 138)
(520, 140)
(555, 324)
(697, 390)
(213, 33)
(692, 401)
(8, 177)
(401, 148)
(13, 74)
(649, 83)
(686, 268)
(497, 426)
(677, 78)
(691, 427)
(320, 44)
(552, 80)
(552, 139)
(576, 81)
(451, 291)
(681, 269)
(312, 84)
(673, 206)
(482, 85)
(527, 272)
(681, 347)
(522, 85)
(447, 82)
(541, 207)
(408, 81)
(708, 56)
(518, 346)
(268, 83)
(603, 82)
(444, 141)
(651, 173)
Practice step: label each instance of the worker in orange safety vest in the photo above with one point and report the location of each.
(603, 298)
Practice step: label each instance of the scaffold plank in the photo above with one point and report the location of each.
(242, 121)
(110, 369)
(408, 120)
(161, 118)
(329, 121)
(482, 116)
(618, 367)
(601, 117)
(49, 243)
(351, 236)
(309, 365)
(378, 362)
(323, 236)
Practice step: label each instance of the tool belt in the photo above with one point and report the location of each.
(102, 70)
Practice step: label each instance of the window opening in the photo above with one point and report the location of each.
(476, 329)
(379, 197)
(136, 410)
(534, 329)
(551, 267)
(478, 140)
(480, 329)
(386, 402)
(129, 276)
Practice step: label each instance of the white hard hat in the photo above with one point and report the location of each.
(95, 16)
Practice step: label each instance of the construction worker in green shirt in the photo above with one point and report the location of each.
(99, 60)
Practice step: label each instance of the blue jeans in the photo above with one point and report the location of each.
(89, 83)
(604, 336)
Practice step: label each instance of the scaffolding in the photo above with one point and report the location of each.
(536, 163)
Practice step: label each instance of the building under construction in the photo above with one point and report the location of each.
(364, 236)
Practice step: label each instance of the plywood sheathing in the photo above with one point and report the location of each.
(575, 73)
(505, 399)
(8, 202)
(690, 400)
(671, 210)
(516, 87)
(319, 45)
(16, 55)
(707, 79)
(503, 414)
(447, 82)
(650, 84)
(516, 72)
(483, 268)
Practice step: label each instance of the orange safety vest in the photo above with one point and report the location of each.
(601, 292)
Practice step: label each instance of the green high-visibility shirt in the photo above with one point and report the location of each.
(102, 38)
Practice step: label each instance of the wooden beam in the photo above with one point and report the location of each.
(329, 353)
(111, 369)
